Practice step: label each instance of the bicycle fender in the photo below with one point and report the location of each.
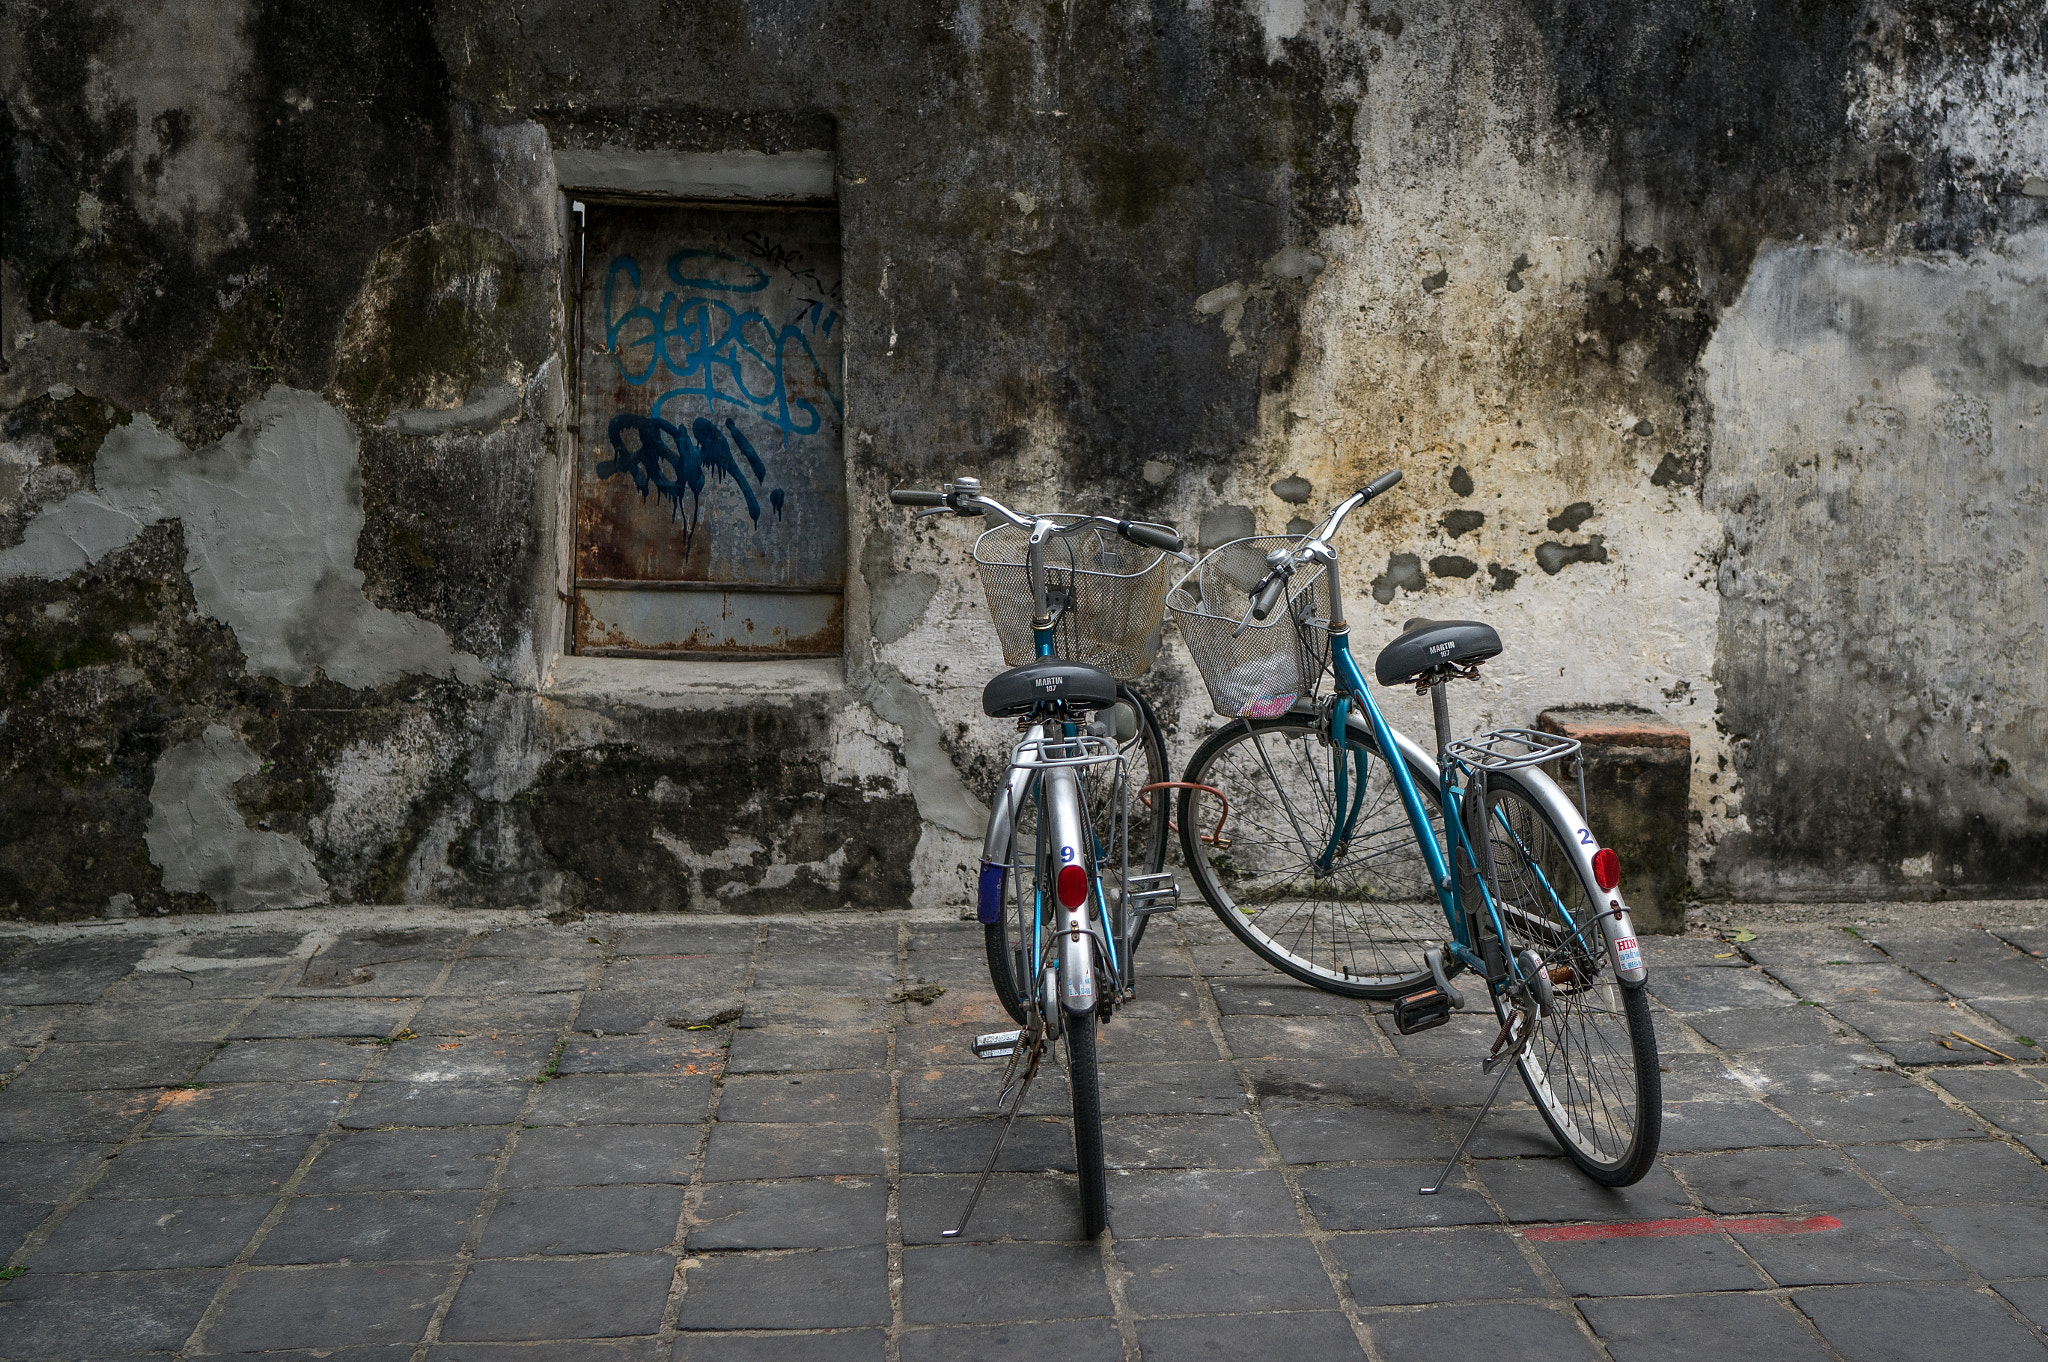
(1068, 844)
(995, 845)
(1623, 951)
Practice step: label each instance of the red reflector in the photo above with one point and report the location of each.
(1606, 868)
(1073, 886)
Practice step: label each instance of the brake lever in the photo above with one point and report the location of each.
(936, 510)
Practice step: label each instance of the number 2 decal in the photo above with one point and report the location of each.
(1585, 837)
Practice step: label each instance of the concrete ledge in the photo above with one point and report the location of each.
(692, 684)
(1614, 728)
(791, 176)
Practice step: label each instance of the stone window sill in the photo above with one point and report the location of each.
(691, 684)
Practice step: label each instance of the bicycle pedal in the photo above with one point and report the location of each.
(997, 1044)
(1421, 1011)
(1153, 893)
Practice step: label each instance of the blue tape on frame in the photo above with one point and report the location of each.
(988, 904)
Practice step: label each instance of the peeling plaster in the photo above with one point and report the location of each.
(271, 515)
(205, 846)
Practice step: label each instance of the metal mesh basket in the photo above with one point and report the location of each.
(1271, 665)
(1116, 594)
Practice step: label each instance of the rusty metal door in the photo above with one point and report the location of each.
(711, 499)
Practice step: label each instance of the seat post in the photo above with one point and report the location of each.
(1440, 710)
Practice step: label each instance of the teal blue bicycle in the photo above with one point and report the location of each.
(1346, 856)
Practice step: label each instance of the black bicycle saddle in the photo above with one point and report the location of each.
(1429, 643)
(1011, 694)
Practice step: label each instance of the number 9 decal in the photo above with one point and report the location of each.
(1066, 853)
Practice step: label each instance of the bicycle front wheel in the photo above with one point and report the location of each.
(1591, 1067)
(1087, 1096)
(1349, 910)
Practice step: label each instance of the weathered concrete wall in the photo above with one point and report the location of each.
(1711, 341)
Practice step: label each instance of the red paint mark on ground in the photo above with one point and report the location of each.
(1663, 1229)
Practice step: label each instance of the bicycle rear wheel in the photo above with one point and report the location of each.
(1357, 926)
(1007, 941)
(1591, 1067)
(1087, 1111)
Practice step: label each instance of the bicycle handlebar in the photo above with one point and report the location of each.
(1264, 601)
(1265, 593)
(969, 501)
(904, 496)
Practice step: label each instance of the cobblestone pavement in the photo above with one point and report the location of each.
(637, 1139)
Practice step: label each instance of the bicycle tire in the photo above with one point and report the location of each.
(1086, 1086)
(1591, 1068)
(1003, 941)
(1368, 944)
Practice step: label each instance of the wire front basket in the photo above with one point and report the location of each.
(1114, 594)
(1274, 663)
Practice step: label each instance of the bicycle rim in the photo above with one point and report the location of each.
(1087, 1095)
(1591, 1067)
(1357, 928)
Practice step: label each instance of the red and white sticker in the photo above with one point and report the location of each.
(1628, 954)
(1266, 706)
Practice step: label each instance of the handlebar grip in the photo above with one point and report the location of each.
(1384, 482)
(904, 496)
(1263, 603)
(1162, 537)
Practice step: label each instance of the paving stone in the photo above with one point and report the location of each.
(2021, 1016)
(1914, 1323)
(839, 1345)
(561, 1298)
(1776, 1182)
(1386, 1197)
(1725, 1125)
(277, 1061)
(2029, 1297)
(982, 1283)
(17, 1221)
(844, 1096)
(100, 1067)
(636, 1011)
(170, 988)
(1227, 960)
(1704, 990)
(153, 1020)
(102, 1314)
(1343, 1134)
(371, 1017)
(2021, 1119)
(658, 1052)
(1873, 1245)
(1181, 1142)
(1148, 1040)
(1682, 1328)
(1510, 1132)
(67, 971)
(1531, 1191)
(46, 1172)
(162, 1166)
(598, 1099)
(475, 1059)
(1162, 1002)
(1975, 1173)
(495, 1014)
(1211, 1089)
(1763, 1028)
(1841, 983)
(435, 1104)
(1306, 1336)
(559, 1220)
(31, 1026)
(854, 941)
(805, 1005)
(1991, 1081)
(370, 1227)
(1013, 1206)
(1512, 1333)
(1888, 1023)
(568, 942)
(1461, 1082)
(738, 1152)
(250, 1109)
(1647, 1266)
(1081, 1340)
(1152, 1205)
(327, 1307)
(765, 1049)
(1997, 1241)
(1686, 1076)
(38, 1117)
(917, 1047)
(109, 1236)
(1817, 1068)
(960, 1090)
(405, 1160)
(1464, 1038)
(591, 1156)
(1878, 1117)
(690, 939)
(1271, 997)
(1282, 1083)
(1257, 1037)
(1422, 1267)
(1185, 1276)
(1809, 947)
(388, 945)
(812, 1213)
(516, 974)
(688, 976)
(2012, 978)
(323, 977)
(831, 1287)
(1922, 947)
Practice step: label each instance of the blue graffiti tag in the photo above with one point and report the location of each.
(720, 353)
(672, 463)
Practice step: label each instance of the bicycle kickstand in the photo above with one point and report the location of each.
(1499, 1059)
(1014, 1087)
